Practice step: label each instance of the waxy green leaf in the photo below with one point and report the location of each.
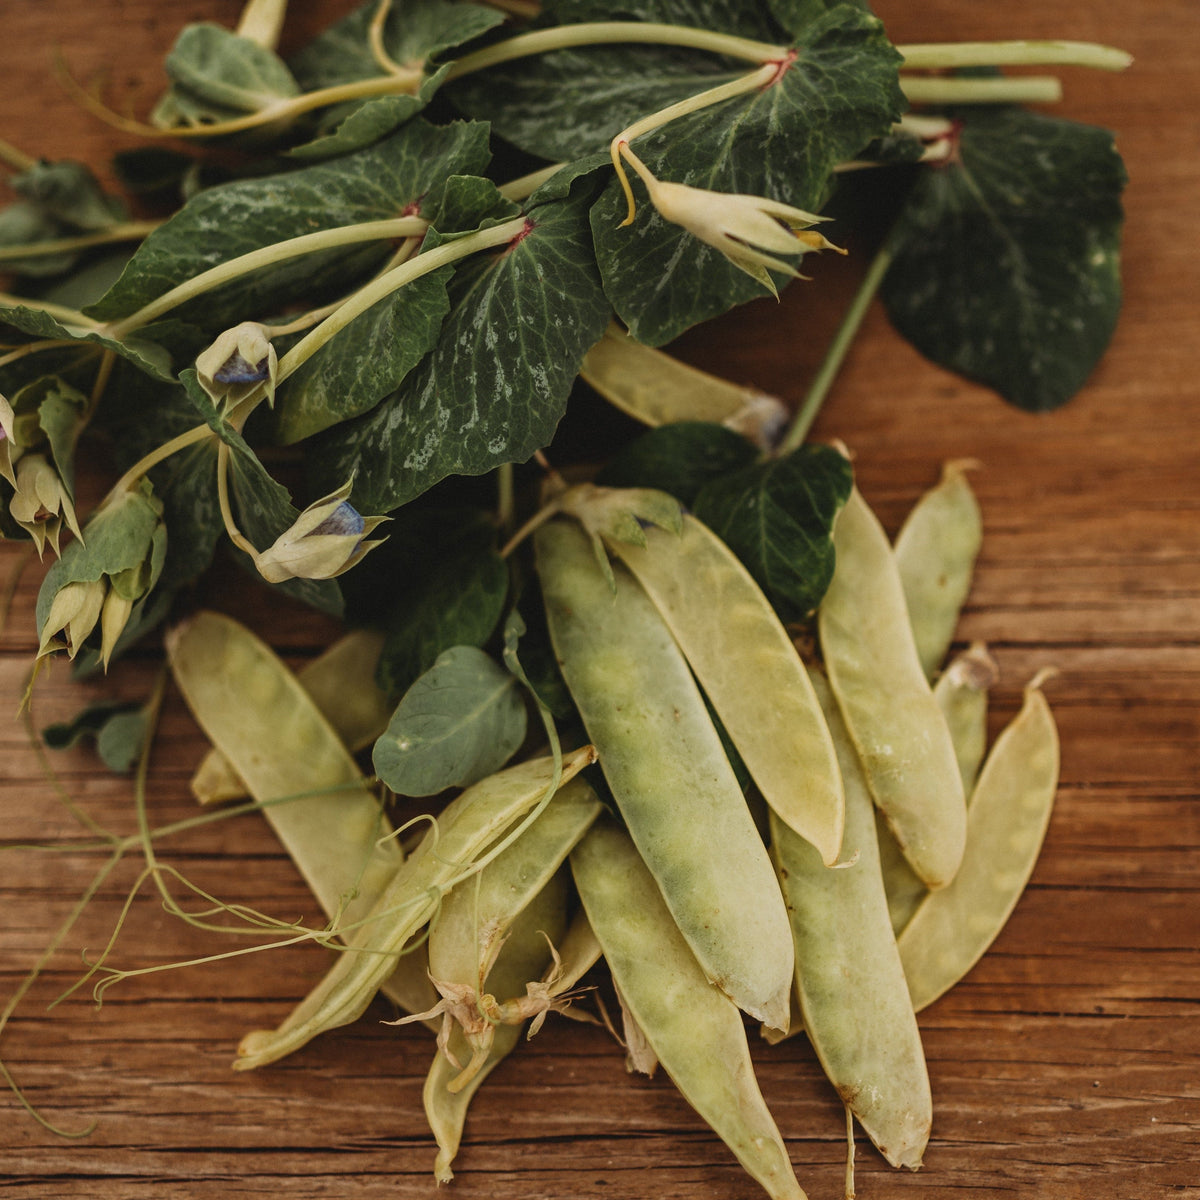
(777, 517)
(458, 723)
(387, 180)
(1007, 259)
(496, 384)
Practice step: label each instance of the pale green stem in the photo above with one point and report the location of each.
(375, 38)
(31, 348)
(505, 499)
(180, 442)
(941, 56)
(1024, 89)
(810, 406)
(60, 312)
(244, 264)
(525, 185)
(262, 22)
(596, 33)
(385, 285)
(17, 159)
(128, 231)
(749, 82)
(236, 536)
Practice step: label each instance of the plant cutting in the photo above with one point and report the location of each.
(438, 220)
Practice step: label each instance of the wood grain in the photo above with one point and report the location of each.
(1065, 1067)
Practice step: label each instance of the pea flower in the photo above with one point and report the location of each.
(41, 503)
(237, 364)
(73, 615)
(743, 227)
(325, 540)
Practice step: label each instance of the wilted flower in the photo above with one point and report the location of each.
(7, 444)
(41, 502)
(326, 539)
(741, 226)
(237, 364)
(72, 616)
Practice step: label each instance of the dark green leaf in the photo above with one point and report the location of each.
(796, 15)
(458, 723)
(1007, 267)
(782, 142)
(494, 387)
(140, 351)
(679, 458)
(777, 517)
(62, 415)
(382, 182)
(215, 66)
(70, 193)
(23, 224)
(118, 726)
(749, 20)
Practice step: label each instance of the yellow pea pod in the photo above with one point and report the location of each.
(750, 670)
(935, 553)
(468, 827)
(1010, 811)
(849, 981)
(341, 682)
(885, 699)
(668, 772)
(695, 1030)
(253, 709)
(656, 389)
(524, 955)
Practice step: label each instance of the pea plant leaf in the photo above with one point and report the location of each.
(721, 16)
(496, 384)
(459, 722)
(68, 192)
(215, 66)
(796, 15)
(1007, 260)
(783, 142)
(680, 458)
(118, 727)
(380, 182)
(777, 517)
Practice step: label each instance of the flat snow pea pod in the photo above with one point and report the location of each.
(1010, 810)
(477, 916)
(663, 760)
(341, 682)
(466, 829)
(266, 725)
(961, 692)
(750, 670)
(886, 701)
(849, 981)
(935, 552)
(695, 1029)
(525, 955)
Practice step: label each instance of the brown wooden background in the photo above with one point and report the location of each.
(1067, 1066)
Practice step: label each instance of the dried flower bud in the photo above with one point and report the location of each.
(72, 616)
(114, 615)
(237, 364)
(41, 502)
(325, 540)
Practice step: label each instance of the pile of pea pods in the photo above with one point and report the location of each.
(873, 858)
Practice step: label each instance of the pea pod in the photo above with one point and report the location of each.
(464, 831)
(255, 712)
(750, 670)
(886, 701)
(935, 554)
(523, 956)
(663, 760)
(1010, 810)
(694, 1029)
(341, 684)
(849, 982)
(961, 692)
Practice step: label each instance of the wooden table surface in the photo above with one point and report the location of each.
(1067, 1064)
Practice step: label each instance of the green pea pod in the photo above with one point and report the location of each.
(935, 553)
(750, 670)
(886, 701)
(695, 1030)
(663, 760)
(1010, 810)
(341, 683)
(849, 982)
(523, 956)
(253, 709)
(961, 692)
(468, 827)
(477, 915)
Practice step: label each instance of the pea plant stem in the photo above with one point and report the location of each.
(262, 22)
(1026, 89)
(939, 56)
(190, 437)
(256, 260)
(810, 406)
(126, 231)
